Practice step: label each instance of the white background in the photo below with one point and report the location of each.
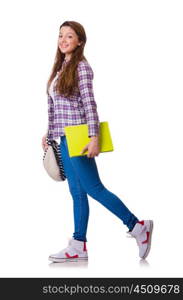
(135, 50)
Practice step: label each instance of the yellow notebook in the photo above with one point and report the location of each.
(77, 138)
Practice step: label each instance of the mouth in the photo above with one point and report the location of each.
(64, 46)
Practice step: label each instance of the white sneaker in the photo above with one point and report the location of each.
(142, 231)
(75, 251)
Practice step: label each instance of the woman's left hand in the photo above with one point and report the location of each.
(93, 147)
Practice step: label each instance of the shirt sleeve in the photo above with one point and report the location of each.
(85, 84)
(50, 118)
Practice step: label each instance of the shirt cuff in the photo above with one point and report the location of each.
(93, 130)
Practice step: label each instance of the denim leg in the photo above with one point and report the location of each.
(79, 196)
(86, 170)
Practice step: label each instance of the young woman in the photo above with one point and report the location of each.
(71, 102)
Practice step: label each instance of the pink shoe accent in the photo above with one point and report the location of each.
(146, 241)
(84, 247)
(141, 222)
(69, 256)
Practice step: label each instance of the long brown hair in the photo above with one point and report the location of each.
(68, 82)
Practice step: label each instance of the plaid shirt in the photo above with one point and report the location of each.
(80, 108)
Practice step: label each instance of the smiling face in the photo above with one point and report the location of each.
(67, 41)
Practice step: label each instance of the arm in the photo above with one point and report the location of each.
(50, 118)
(85, 77)
(85, 84)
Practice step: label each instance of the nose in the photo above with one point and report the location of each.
(62, 39)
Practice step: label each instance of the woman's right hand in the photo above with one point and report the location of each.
(44, 143)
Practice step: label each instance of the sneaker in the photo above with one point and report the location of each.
(142, 231)
(75, 251)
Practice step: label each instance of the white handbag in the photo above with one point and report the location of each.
(52, 161)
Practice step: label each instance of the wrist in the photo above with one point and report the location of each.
(94, 138)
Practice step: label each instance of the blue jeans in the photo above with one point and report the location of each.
(83, 178)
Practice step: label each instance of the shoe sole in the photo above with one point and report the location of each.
(150, 237)
(61, 260)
